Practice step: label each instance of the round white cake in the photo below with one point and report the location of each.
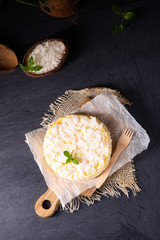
(77, 147)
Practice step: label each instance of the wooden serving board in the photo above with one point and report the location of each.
(50, 196)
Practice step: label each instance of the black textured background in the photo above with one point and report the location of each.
(129, 62)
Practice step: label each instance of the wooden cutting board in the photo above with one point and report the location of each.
(51, 198)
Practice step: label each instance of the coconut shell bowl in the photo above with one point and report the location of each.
(29, 53)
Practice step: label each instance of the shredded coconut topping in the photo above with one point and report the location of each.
(48, 55)
(90, 141)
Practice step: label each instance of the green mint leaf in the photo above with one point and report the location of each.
(26, 68)
(114, 29)
(75, 161)
(22, 67)
(116, 9)
(122, 27)
(68, 160)
(67, 154)
(130, 16)
(37, 68)
(31, 62)
(47, 9)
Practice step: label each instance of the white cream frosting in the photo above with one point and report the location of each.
(89, 140)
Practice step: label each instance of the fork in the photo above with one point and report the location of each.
(123, 142)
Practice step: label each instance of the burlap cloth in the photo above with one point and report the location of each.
(123, 179)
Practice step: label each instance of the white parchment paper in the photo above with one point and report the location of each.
(107, 108)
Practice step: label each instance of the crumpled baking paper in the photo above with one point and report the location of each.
(107, 108)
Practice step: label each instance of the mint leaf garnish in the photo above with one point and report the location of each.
(37, 68)
(30, 66)
(130, 16)
(124, 17)
(75, 161)
(67, 154)
(24, 67)
(31, 62)
(70, 158)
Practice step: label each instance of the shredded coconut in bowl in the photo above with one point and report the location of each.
(48, 55)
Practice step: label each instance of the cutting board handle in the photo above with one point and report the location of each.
(50, 198)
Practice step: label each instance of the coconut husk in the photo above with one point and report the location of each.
(8, 59)
(58, 8)
(26, 56)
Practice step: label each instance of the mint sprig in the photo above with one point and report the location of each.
(30, 66)
(70, 158)
(122, 22)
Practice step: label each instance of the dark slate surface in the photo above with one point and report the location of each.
(128, 62)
